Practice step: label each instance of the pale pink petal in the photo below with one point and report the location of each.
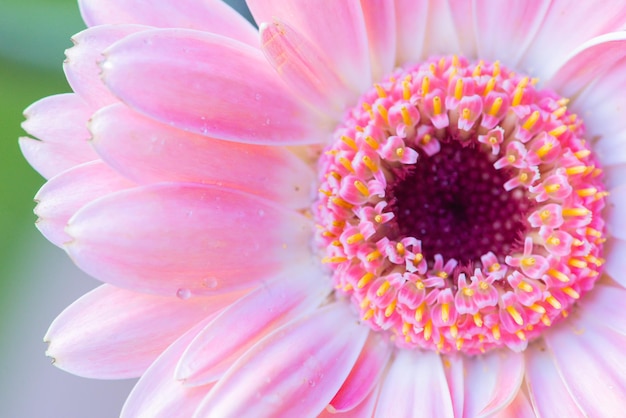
(336, 28)
(157, 394)
(272, 305)
(465, 27)
(519, 408)
(615, 176)
(51, 158)
(365, 375)
(587, 63)
(441, 34)
(210, 85)
(147, 151)
(186, 239)
(499, 25)
(605, 304)
(455, 370)
(591, 360)
(568, 24)
(546, 389)
(363, 410)
(491, 382)
(304, 69)
(207, 15)
(94, 338)
(415, 386)
(616, 216)
(82, 65)
(411, 19)
(615, 261)
(295, 371)
(67, 192)
(380, 24)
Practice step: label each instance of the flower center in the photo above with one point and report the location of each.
(460, 207)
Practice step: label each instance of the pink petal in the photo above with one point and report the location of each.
(365, 375)
(614, 176)
(491, 382)
(67, 192)
(568, 24)
(158, 394)
(455, 370)
(616, 216)
(208, 15)
(591, 360)
(148, 152)
(303, 68)
(51, 159)
(587, 63)
(272, 305)
(82, 66)
(519, 408)
(186, 239)
(545, 385)
(615, 261)
(112, 333)
(293, 372)
(362, 410)
(380, 24)
(336, 28)
(203, 84)
(605, 304)
(502, 24)
(420, 392)
(411, 18)
(441, 32)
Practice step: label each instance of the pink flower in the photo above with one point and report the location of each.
(362, 209)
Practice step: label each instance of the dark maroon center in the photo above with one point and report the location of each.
(455, 203)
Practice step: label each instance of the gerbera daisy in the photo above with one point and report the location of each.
(363, 208)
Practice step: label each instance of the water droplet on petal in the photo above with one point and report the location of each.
(183, 294)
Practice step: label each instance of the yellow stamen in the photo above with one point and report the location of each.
(571, 292)
(353, 239)
(459, 344)
(466, 114)
(575, 212)
(489, 87)
(373, 256)
(578, 169)
(593, 232)
(347, 164)
(419, 313)
(445, 312)
(496, 69)
(544, 149)
(390, 308)
(368, 315)
(399, 152)
(584, 153)
(348, 287)
(383, 112)
(554, 241)
(589, 191)
(495, 330)
(363, 281)
(454, 330)
(458, 89)
(368, 109)
(520, 334)
(515, 315)
(327, 260)
(362, 188)
(371, 142)
(552, 188)
(468, 291)
(378, 218)
(538, 308)
(519, 91)
(425, 86)
(370, 164)
(478, 320)
(574, 262)
(406, 118)
(364, 303)
(556, 132)
(349, 142)
(562, 277)
(528, 261)
(406, 327)
(437, 105)
(525, 287)
(400, 248)
(428, 330)
(546, 321)
(326, 192)
(552, 301)
(594, 260)
(560, 111)
(478, 70)
(380, 91)
(337, 243)
(340, 202)
(532, 120)
(495, 106)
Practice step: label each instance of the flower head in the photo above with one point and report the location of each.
(362, 208)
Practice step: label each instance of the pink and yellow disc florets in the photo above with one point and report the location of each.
(459, 207)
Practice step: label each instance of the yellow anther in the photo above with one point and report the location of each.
(552, 188)
(432, 68)
(575, 212)
(358, 128)
(523, 177)
(524, 287)
(511, 158)
(406, 117)
(368, 315)
(564, 313)
(335, 175)
(589, 191)
(336, 243)
(574, 262)
(520, 334)
(538, 308)
(515, 315)
(552, 240)
(563, 101)
(363, 281)
(437, 105)
(528, 261)
(326, 192)
(553, 302)
(327, 260)
(577, 169)
(399, 152)
(332, 152)
(340, 202)
(406, 89)
(378, 219)
(593, 232)
(544, 149)
(556, 132)
(494, 267)
(328, 234)
(349, 142)
(466, 114)
(419, 313)
(348, 287)
(420, 285)
(560, 276)
(518, 94)
(489, 86)
(571, 292)
(442, 274)
(353, 239)
(406, 327)
(560, 111)
(380, 91)
(425, 85)
(584, 153)
(370, 164)
(458, 89)
(390, 308)
(478, 320)
(455, 60)
(532, 120)
(362, 188)
(493, 140)
(400, 248)
(496, 69)
(339, 224)
(483, 285)
(495, 330)
(364, 303)
(454, 330)
(546, 321)
(459, 343)
(426, 139)
(371, 142)
(368, 109)
(478, 70)
(347, 164)
(445, 312)
(428, 330)
(383, 112)
(594, 260)
(373, 256)
(496, 106)
(468, 291)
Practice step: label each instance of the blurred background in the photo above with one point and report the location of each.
(37, 280)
